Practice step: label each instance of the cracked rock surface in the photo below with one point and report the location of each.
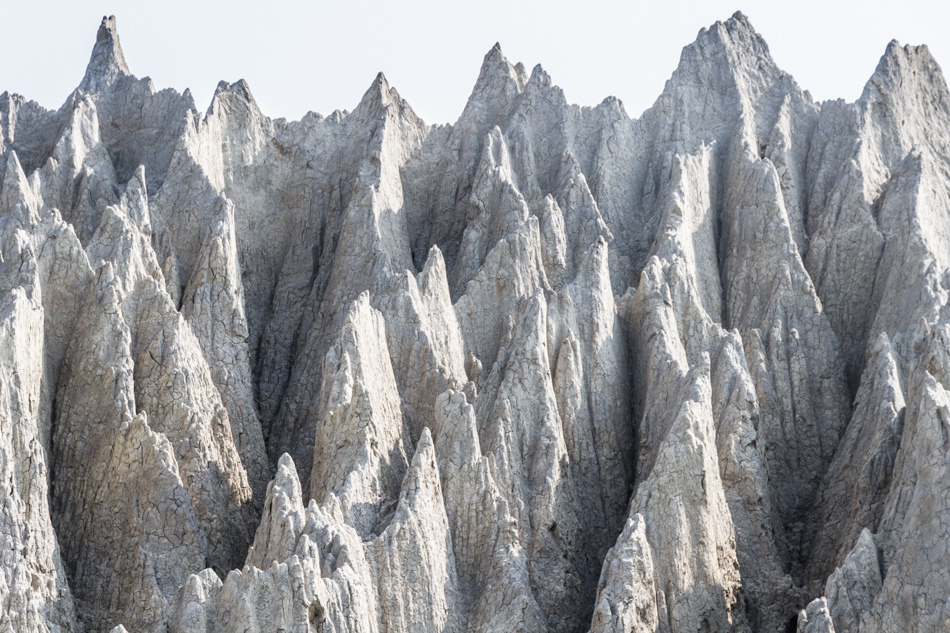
(546, 369)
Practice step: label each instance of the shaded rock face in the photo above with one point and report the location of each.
(549, 368)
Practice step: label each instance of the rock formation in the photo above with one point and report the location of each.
(548, 369)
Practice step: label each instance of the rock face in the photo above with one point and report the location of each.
(550, 368)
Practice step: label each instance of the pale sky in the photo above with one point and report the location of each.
(322, 56)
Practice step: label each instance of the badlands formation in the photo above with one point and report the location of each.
(550, 368)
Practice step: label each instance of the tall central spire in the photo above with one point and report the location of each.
(107, 62)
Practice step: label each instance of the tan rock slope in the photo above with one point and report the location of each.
(548, 369)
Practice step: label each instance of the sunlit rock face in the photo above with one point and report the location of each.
(550, 368)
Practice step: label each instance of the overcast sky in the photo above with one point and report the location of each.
(322, 56)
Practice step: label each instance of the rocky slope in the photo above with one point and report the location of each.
(550, 368)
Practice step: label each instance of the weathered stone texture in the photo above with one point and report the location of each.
(549, 368)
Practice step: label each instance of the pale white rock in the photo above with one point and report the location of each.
(768, 589)
(687, 538)
(78, 178)
(914, 524)
(42, 251)
(548, 368)
(117, 486)
(524, 434)
(815, 618)
(141, 125)
(370, 245)
(627, 593)
(676, 335)
(553, 417)
(515, 263)
(424, 339)
(304, 572)
(791, 349)
(173, 384)
(852, 588)
(412, 561)
(855, 489)
(28, 129)
(213, 305)
(33, 585)
(493, 577)
(361, 458)
(589, 360)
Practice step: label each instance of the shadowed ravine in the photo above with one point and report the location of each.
(550, 368)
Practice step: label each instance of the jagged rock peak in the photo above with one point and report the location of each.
(899, 61)
(738, 33)
(484, 367)
(732, 47)
(909, 86)
(107, 62)
(382, 98)
(239, 87)
(17, 195)
(498, 78)
(233, 97)
(379, 92)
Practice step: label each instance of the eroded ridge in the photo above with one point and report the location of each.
(549, 368)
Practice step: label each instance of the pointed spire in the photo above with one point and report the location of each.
(378, 95)
(234, 97)
(731, 61)
(735, 39)
(382, 97)
(904, 69)
(239, 87)
(739, 23)
(283, 519)
(494, 54)
(107, 62)
(496, 91)
(381, 88)
(740, 18)
(17, 196)
(135, 201)
(496, 68)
